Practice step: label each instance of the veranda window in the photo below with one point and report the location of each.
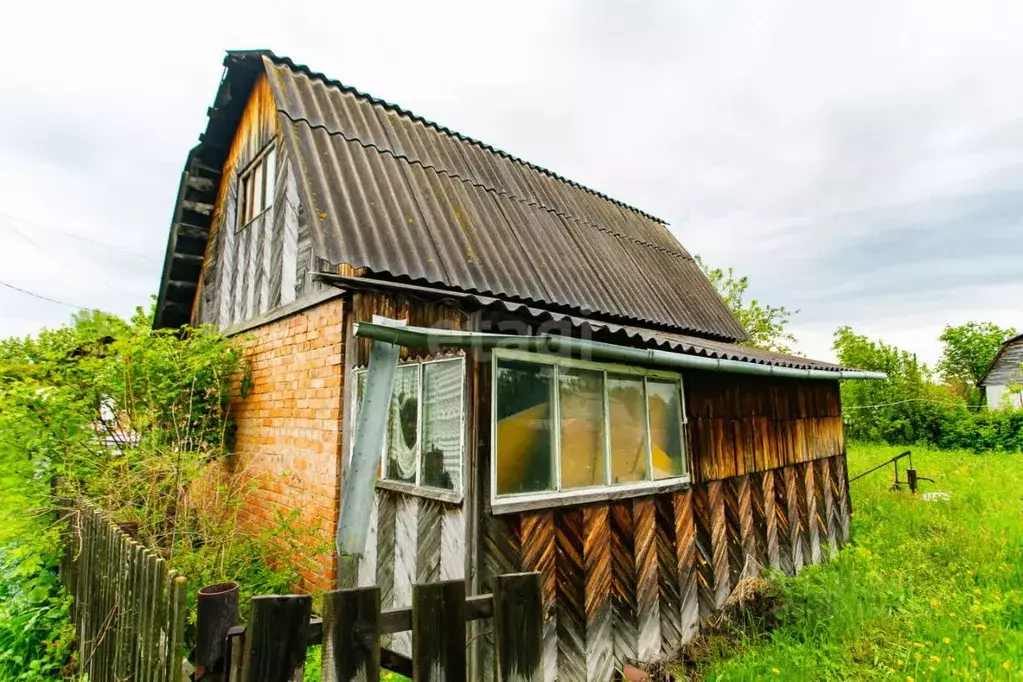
(562, 426)
(424, 441)
(256, 186)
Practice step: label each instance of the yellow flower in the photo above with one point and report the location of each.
(973, 663)
(918, 656)
(910, 678)
(980, 626)
(775, 671)
(918, 645)
(947, 640)
(1006, 665)
(971, 649)
(934, 603)
(935, 659)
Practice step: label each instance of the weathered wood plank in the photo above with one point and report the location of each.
(438, 632)
(570, 602)
(452, 543)
(685, 549)
(597, 596)
(518, 628)
(795, 517)
(669, 597)
(428, 549)
(275, 639)
(624, 625)
(702, 517)
(719, 542)
(538, 554)
(351, 635)
(647, 589)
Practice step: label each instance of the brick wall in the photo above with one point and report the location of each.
(289, 429)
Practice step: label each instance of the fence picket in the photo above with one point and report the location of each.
(276, 639)
(351, 635)
(518, 627)
(438, 631)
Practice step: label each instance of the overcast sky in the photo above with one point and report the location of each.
(862, 164)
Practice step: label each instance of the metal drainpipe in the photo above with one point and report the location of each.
(418, 337)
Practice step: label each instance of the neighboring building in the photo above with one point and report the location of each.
(1003, 383)
(644, 469)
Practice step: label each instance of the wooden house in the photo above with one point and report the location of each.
(571, 395)
(1003, 383)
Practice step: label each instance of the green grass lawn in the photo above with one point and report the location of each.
(925, 591)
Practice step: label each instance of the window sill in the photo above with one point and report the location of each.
(550, 500)
(449, 496)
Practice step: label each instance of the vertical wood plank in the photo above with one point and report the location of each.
(538, 554)
(624, 626)
(571, 594)
(669, 599)
(289, 242)
(428, 531)
(368, 563)
(518, 628)
(406, 533)
(386, 539)
(452, 544)
(647, 588)
(719, 543)
(841, 488)
(796, 531)
(771, 549)
(685, 550)
(351, 635)
(825, 508)
(438, 632)
(702, 517)
(733, 531)
(810, 510)
(275, 639)
(597, 595)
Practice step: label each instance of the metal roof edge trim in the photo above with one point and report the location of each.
(302, 68)
(422, 337)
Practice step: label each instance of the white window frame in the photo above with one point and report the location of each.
(514, 502)
(418, 488)
(266, 191)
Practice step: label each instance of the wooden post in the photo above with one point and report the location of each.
(438, 631)
(351, 635)
(911, 479)
(275, 640)
(518, 627)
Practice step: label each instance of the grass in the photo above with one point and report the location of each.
(927, 590)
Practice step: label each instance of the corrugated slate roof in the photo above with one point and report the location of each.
(397, 194)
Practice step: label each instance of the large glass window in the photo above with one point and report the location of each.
(425, 425)
(567, 425)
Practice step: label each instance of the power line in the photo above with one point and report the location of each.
(908, 400)
(72, 235)
(41, 297)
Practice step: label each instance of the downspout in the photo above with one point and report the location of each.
(440, 339)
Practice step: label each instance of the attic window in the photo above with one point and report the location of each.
(572, 428)
(256, 186)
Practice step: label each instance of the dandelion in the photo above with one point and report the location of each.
(935, 659)
(910, 678)
(1006, 665)
(934, 603)
(947, 640)
(980, 626)
(775, 671)
(971, 649)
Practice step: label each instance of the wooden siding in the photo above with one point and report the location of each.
(263, 265)
(742, 425)
(630, 581)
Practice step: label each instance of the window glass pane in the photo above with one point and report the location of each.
(243, 194)
(442, 425)
(665, 428)
(257, 180)
(403, 425)
(524, 459)
(581, 412)
(627, 415)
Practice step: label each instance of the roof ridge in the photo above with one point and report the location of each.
(479, 184)
(302, 68)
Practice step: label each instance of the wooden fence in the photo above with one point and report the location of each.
(129, 610)
(354, 632)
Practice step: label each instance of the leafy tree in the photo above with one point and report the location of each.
(764, 324)
(969, 349)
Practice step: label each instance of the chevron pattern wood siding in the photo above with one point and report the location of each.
(631, 580)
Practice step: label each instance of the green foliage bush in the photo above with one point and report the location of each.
(911, 407)
(136, 420)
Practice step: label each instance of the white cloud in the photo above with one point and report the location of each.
(858, 162)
